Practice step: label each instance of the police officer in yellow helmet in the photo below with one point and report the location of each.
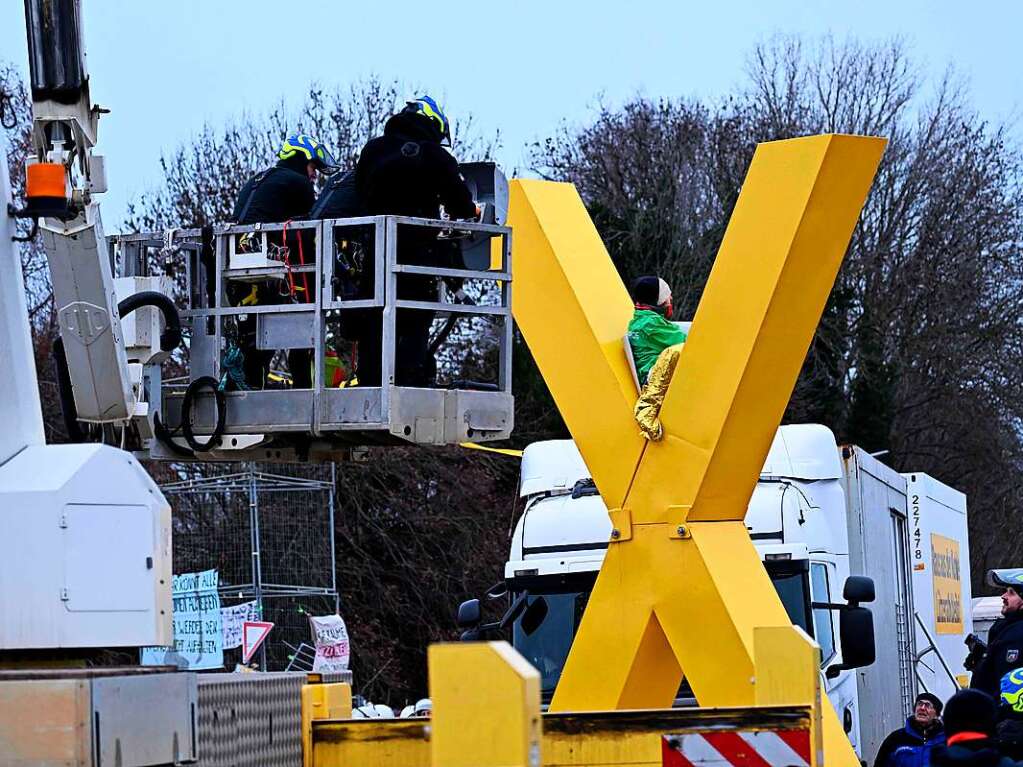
(282, 192)
(1010, 715)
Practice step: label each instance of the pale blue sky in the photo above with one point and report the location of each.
(166, 67)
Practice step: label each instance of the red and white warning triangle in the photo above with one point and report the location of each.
(254, 633)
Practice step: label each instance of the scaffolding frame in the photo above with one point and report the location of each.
(254, 483)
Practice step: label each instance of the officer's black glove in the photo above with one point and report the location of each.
(977, 652)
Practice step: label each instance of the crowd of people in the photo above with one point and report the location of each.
(981, 726)
(971, 729)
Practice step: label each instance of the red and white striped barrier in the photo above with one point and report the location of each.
(782, 748)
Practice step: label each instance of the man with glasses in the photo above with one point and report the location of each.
(911, 746)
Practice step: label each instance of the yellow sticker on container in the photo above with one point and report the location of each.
(948, 589)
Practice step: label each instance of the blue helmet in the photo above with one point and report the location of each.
(313, 150)
(426, 106)
(1006, 577)
(1012, 690)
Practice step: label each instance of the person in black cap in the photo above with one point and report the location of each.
(969, 727)
(911, 746)
(1005, 639)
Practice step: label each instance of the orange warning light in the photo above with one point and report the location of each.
(45, 179)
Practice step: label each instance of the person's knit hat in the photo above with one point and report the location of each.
(931, 698)
(650, 291)
(970, 711)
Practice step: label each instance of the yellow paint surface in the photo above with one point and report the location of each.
(486, 706)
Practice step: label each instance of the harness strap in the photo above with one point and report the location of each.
(252, 193)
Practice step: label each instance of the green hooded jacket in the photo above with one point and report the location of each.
(649, 335)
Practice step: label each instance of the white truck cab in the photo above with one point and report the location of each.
(810, 498)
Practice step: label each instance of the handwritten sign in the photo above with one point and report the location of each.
(331, 638)
(233, 618)
(948, 591)
(198, 628)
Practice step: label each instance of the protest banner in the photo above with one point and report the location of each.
(198, 628)
(330, 636)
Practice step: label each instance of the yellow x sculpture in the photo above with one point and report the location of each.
(682, 587)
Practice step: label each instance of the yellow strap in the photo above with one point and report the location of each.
(252, 297)
(499, 450)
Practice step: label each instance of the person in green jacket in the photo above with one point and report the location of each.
(651, 330)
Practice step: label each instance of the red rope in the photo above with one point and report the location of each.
(287, 260)
(305, 276)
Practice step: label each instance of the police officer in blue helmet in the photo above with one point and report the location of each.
(285, 190)
(408, 172)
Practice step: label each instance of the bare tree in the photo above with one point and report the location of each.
(202, 177)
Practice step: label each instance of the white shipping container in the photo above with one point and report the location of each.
(878, 528)
(942, 598)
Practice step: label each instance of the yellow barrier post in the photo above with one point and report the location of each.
(486, 706)
(682, 586)
(788, 663)
(322, 701)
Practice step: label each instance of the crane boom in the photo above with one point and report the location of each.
(64, 130)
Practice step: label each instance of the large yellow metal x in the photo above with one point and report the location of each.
(682, 586)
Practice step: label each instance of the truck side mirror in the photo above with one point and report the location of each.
(856, 633)
(855, 625)
(469, 614)
(858, 588)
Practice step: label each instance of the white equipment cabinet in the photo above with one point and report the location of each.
(85, 551)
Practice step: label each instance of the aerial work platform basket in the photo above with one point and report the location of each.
(331, 281)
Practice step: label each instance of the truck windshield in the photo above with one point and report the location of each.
(547, 647)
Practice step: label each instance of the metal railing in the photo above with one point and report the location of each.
(932, 646)
(312, 256)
